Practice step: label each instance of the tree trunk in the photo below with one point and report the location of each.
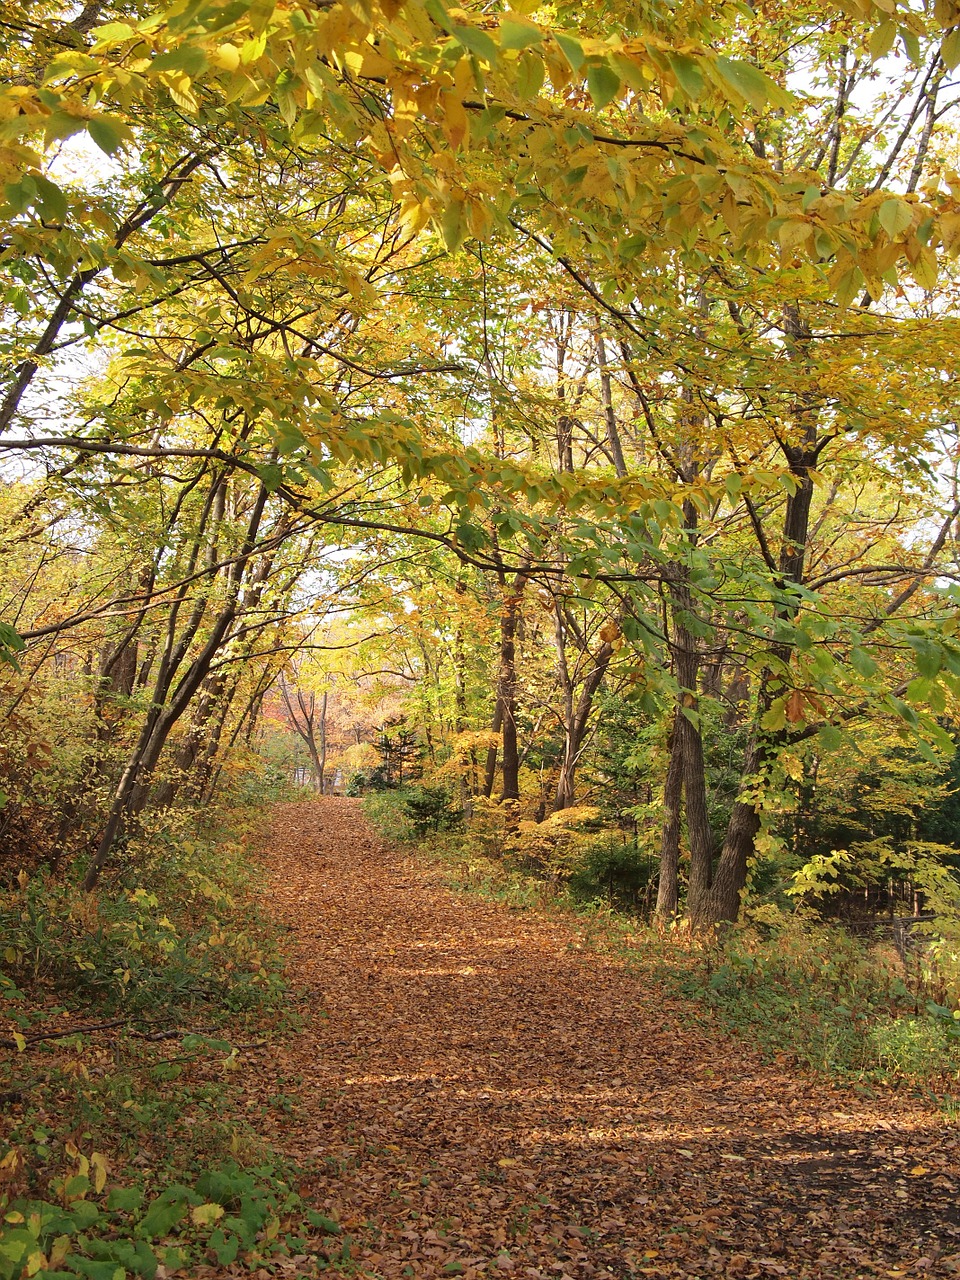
(668, 889)
(169, 703)
(723, 901)
(510, 770)
(688, 740)
(490, 770)
(575, 729)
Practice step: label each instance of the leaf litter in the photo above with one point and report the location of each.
(477, 1097)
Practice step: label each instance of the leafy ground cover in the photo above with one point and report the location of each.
(797, 989)
(126, 1148)
(492, 1092)
(469, 1085)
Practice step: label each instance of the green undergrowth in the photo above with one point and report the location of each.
(815, 995)
(797, 990)
(136, 1020)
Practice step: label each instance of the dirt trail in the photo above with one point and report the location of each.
(478, 1098)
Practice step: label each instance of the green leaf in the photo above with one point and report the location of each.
(950, 50)
(125, 1199)
(53, 203)
(112, 32)
(775, 718)
(519, 35)
(225, 1247)
(882, 39)
(604, 84)
(688, 73)
(10, 645)
(929, 658)
(438, 13)
(530, 76)
(96, 1270)
(477, 42)
(323, 1223)
(759, 90)
(918, 690)
(824, 245)
(571, 49)
(830, 738)
(895, 216)
(861, 662)
(451, 226)
(904, 711)
(107, 134)
(911, 44)
(811, 195)
(165, 1212)
(194, 1040)
(84, 1214)
(190, 59)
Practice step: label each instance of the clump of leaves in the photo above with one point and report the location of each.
(94, 1230)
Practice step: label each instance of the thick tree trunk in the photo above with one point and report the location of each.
(505, 714)
(722, 903)
(688, 741)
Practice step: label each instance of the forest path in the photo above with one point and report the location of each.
(479, 1098)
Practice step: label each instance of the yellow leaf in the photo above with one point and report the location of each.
(205, 1215)
(506, 1163)
(99, 1165)
(794, 234)
(19, 1041)
(226, 56)
(918, 1171)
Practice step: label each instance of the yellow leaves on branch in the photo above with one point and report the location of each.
(451, 105)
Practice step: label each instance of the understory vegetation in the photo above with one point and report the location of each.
(126, 1142)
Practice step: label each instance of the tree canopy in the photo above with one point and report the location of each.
(564, 393)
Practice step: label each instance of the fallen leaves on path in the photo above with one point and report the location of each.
(476, 1097)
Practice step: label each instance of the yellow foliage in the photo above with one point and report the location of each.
(560, 841)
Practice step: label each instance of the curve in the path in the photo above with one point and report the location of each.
(477, 1096)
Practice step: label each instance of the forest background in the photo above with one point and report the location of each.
(539, 419)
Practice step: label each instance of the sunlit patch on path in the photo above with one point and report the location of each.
(476, 1098)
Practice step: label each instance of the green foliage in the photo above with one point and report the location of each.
(622, 873)
(230, 1214)
(193, 1181)
(185, 942)
(817, 995)
(11, 644)
(411, 813)
(429, 810)
(912, 1047)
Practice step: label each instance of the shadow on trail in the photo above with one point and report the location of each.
(479, 1098)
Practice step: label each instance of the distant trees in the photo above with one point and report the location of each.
(583, 365)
